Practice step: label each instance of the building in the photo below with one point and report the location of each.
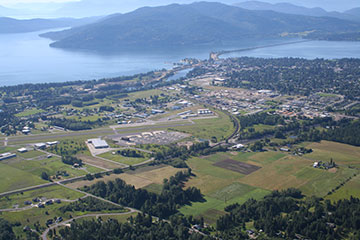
(52, 143)
(40, 145)
(238, 146)
(7, 155)
(156, 111)
(22, 150)
(98, 143)
(204, 111)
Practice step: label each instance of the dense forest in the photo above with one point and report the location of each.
(141, 227)
(288, 215)
(89, 204)
(164, 205)
(296, 76)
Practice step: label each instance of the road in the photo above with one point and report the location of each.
(215, 55)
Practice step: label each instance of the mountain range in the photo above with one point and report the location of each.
(202, 23)
(352, 14)
(11, 25)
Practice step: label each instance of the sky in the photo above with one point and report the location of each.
(339, 5)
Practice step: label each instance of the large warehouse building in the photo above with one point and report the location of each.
(98, 143)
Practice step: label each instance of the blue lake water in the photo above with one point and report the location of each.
(27, 58)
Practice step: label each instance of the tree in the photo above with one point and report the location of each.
(45, 176)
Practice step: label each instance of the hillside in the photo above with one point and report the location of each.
(189, 25)
(11, 25)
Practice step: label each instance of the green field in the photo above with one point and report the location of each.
(29, 112)
(220, 127)
(154, 187)
(278, 171)
(12, 178)
(48, 165)
(48, 192)
(351, 188)
(30, 154)
(221, 187)
(122, 159)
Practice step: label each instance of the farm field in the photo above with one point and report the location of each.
(12, 178)
(49, 165)
(270, 171)
(139, 178)
(97, 161)
(351, 188)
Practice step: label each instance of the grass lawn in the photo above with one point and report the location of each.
(212, 208)
(144, 94)
(122, 159)
(12, 178)
(30, 154)
(320, 182)
(48, 165)
(341, 153)
(220, 127)
(351, 188)
(154, 188)
(29, 112)
(48, 192)
(7, 149)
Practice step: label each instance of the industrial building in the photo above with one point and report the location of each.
(7, 155)
(98, 143)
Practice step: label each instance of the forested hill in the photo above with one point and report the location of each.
(201, 23)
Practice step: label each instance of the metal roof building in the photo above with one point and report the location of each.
(98, 143)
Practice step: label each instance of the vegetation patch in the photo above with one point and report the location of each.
(236, 166)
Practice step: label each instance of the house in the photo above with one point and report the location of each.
(27, 203)
(284, 149)
(316, 164)
(238, 146)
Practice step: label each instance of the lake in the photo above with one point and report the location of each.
(27, 58)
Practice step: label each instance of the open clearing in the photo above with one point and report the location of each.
(137, 178)
(12, 178)
(236, 166)
(220, 127)
(97, 161)
(121, 159)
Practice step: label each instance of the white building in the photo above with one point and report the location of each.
(22, 150)
(98, 143)
(40, 145)
(7, 156)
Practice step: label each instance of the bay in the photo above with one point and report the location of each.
(27, 58)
